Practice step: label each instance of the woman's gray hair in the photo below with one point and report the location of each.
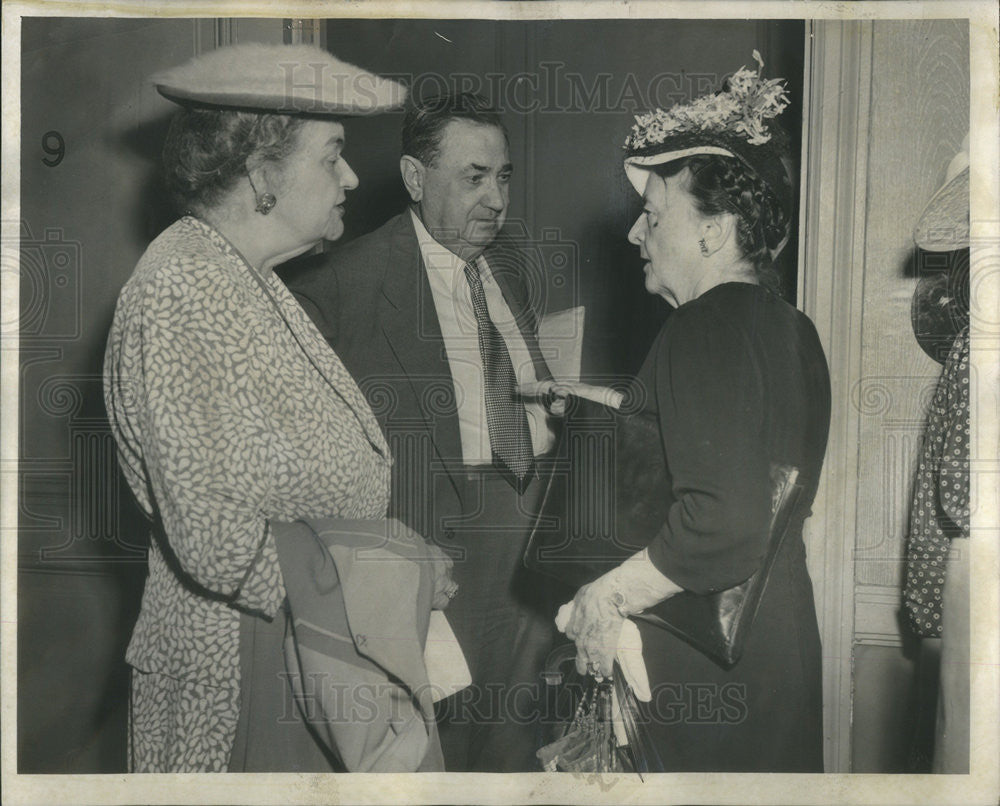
(207, 151)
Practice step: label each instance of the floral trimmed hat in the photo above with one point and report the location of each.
(732, 123)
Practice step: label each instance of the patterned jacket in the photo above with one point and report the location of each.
(940, 507)
(229, 409)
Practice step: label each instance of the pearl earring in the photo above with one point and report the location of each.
(703, 247)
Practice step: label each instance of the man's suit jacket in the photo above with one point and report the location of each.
(372, 300)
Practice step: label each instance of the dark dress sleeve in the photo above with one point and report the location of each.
(709, 396)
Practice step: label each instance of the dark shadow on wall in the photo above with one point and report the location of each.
(921, 701)
(76, 608)
(82, 538)
(623, 317)
(566, 141)
(154, 209)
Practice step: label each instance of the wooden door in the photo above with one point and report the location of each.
(91, 131)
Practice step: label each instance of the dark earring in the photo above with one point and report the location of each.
(265, 201)
(704, 249)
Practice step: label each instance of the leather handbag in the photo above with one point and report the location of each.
(606, 498)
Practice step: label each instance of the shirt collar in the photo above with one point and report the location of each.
(438, 258)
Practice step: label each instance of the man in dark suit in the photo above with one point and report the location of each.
(431, 314)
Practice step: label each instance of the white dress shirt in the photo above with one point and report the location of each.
(453, 303)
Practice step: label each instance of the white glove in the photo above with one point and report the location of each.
(629, 653)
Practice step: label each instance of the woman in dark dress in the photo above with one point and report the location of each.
(738, 380)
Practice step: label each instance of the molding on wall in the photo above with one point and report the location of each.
(72, 518)
(876, 616)
(831, 254)
(299, 31)
(80, 569)
(207, 34)
(43, 498)
(217, 32)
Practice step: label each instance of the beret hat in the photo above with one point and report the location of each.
(289, 79)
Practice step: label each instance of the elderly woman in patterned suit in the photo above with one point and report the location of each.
(233, 416)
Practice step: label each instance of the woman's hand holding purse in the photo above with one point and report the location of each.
(600, 609)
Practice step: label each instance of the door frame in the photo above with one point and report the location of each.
(834, 179)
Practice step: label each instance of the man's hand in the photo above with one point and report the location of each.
(445, 588)
(553, 394)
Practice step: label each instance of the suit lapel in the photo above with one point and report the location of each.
(410, 324)
(325, 361)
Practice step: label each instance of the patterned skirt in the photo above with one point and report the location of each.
(181, 726)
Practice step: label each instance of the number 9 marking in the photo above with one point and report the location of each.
(56, 151)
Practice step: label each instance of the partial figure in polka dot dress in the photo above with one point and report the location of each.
(936, 592)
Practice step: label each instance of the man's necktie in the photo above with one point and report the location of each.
(510, 438)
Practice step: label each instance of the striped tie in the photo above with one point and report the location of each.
(510, 439)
